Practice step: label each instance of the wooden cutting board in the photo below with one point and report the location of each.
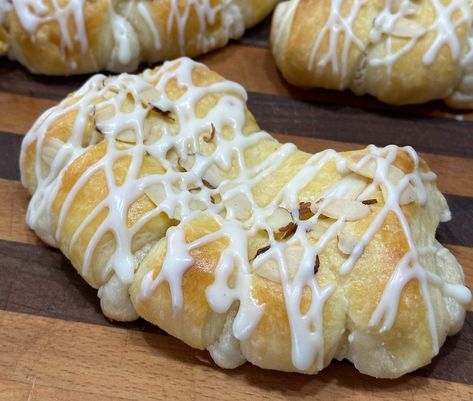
(56, 345)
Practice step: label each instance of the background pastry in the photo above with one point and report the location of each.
(234, 242)
(82, 36)
(401, 52)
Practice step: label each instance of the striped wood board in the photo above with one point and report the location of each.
(56, 345)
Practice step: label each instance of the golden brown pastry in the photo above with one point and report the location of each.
(400, 51)
(64, 37)
(166, 196)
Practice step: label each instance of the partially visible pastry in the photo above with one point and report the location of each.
(168, 198)
(81, 36)
(399, 51)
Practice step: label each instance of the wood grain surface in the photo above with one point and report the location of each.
(56, 345)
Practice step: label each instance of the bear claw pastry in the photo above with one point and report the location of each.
(81, 36)
(399, 51)
(166, 196)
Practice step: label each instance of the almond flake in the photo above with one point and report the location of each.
(288, 230)
(186, 163)
(213, 175)
(128, 136)
(304, 209)
(211, 136)
(369, 201)
(280, 217)
(317, 264)
(407, 28)
(165, 113)
(150, 95)
(269, 269)
(346, 242)
(350, 210)
(262, 250)
(349, 187)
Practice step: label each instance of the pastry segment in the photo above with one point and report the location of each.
(168, 198)
(401, 52)
(65, 37)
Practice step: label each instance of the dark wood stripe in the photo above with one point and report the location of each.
(380, 127)
(10, 145)
(257, 36)
(459, 231)
(39, 280)
(17, 79)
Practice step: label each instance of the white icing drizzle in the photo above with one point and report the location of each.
(397, 20)
(126, 44)
(144, 12)
(206, 14)
(33, 13)
(336, 25)
(178, 202)
(5, 8)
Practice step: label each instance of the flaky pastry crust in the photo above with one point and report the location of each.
(82, 36)
(401, 52)
(168, 198)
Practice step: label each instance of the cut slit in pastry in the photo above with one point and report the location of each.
(256, 251)
(82, 36)
(401, 52)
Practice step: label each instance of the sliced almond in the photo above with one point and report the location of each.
(262, 250)
(395, 175)
(288, 230)
(367, 169)
(304, 210)
(197, 204)
(186, 163)
(173, 158)
(211, 136)
(407, 196)
(335, 208)
(316, 264)
(346, 242)
(407, 28)
(214, 176)
(128, 136)
(349, 187)
(156, 193)
(317, 230)
(150, 95)
(269, 269)
(280, 218)
(369, 201)
(164, 113)
(240, 206)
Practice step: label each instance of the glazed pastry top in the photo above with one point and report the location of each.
(206, 171)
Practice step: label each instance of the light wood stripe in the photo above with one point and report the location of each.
(18, 113)
(456, 173)
(12, 390)
(13, 204)
(115, 363)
